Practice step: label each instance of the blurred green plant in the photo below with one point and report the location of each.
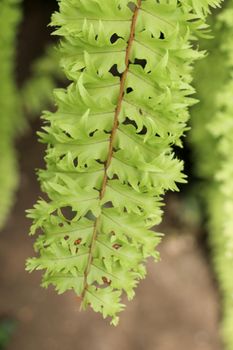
(212, 140)
(37, 92)
(7, 328)
(11, 120)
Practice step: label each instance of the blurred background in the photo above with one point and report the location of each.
(176, 307)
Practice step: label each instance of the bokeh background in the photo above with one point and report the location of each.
(176, 307)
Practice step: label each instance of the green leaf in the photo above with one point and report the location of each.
(110, 155)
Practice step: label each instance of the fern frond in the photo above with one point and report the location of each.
(10, 114)
(109, 158)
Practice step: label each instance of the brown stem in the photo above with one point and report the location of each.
(112, 139)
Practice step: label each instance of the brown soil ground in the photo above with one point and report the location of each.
(175, 308)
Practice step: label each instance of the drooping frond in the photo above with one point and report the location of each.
(109, 159)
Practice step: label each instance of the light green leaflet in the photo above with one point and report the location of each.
(109, 157)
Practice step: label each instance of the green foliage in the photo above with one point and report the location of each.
(109, 159)
(221, 127)
(209, 74)
(7, 328)
(10, 115)
(37, 92)
(212, 129)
